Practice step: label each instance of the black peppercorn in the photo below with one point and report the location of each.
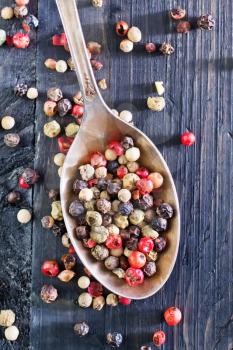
(124, 264)
(81, 329)
(59, 228)
(127, 142)
(102, 184)
(145, 347)
(159, 224)
(69, 261)
(160, 244)
(144, 203)
(125, 235)
(113, 188)
(30, 22)
(76, 208)
(30, 176)
(134, 231)
(81, 220)
(78, 185)
(53, 195)
(112, 262)
(132, 243)
(21, 89)
(63, 107)
(165, 211)
(82, 232)
(112, 166)
(103, 205)
(54, 94)
(150, 269)
(47, 222)
(106, 219)
(13, 197)
(125, 208)
(206, 22)
(114, 339)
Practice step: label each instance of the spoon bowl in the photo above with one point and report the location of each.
(98, 128)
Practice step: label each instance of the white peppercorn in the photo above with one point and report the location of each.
(54, 94)
(96, 192)
(122, 160)
(127, 252)
(52, 129)
(132, 154)
(11, 140)
(24, 216)
(7, 122)
(32, 93)
(85, 300)
(136, 217)
(48, 294)
(65, 241)
(116, 252)
(134, 34)
(110, 154)
(124, 195)
(156, 104)
(59, 171)
(93, 218)
(61, 66)
(66, 276)
(99, 234)
(120, 273)
(11, 333)
(132, 166)
(7, 12)
(115, 112)
(129, 181)
(90, 205)
(105, 195)
(59, 159)
(121, 221)
(87, 172)
(85, 195)
(147, 231)
(71, 129)
(84, 282)
(113, 229)
(126, 45)
(112, 299)
(102, 84)
(97, 3)
(47, 222)
(127, 116)
(20, 11)
(98, 303)
(56, 211)
(115, 205)
(100, 252)
(7, 318)
(2, 37)
(159, 87)
(101, 172)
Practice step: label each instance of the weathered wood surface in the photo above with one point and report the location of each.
(198, 80)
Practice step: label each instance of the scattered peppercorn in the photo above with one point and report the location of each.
(11, 140)
(97, 65)
(188, 138)
(102, 84)
(166, 49)
(178, 13)
(66, 275)
(29, 176)
(126, 45)
(47, 222)
(159, 338)
(206, 22)
(13, 197)
(30, 22)
(156, 104)
(122, 28)
(21, 40)
(48, 294)
(114, 339)
(21, 89)
(81, 329)
(7, 318)
(20, 11)
(69, 261)
(183, 27)
(97, 3)
(63, 107)
(24, 216)
(172, 316)
(7, 12)
(150, 47)
(85, 300)
(11, 333)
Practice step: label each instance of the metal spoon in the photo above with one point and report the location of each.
(99, 126)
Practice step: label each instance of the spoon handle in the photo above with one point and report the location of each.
(70, 19)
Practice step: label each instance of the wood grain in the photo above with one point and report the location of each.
(199, 91)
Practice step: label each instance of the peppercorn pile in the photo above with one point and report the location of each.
(116, 214)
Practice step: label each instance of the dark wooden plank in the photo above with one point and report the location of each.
(15, 252)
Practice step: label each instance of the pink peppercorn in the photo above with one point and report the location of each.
(188, 138)
(150, 47)
(116, 146)
(124, 301)
(95, 289)
(142, 173)
(159, 338)
(21, 40)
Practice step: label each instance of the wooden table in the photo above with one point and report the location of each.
(199, 91)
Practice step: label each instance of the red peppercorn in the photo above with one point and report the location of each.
(64, 143)
(50, 268)
(89, 243)
(122, 171)
(124, 301)
(159, 338)
(92, 182)
(114, 242)
(71, 250)
(146, 245)
(23, 183)
(172, 316)
(98, 159)
(116, 146)
(137, 259)
(122, 28)
(21, 40)
(134, 277)
(144, 186)
(150, 47)
(188, 138)
(142, 173)
(95, 289)
(77, 111)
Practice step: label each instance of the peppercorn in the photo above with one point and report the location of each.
(99, 234)
(7, 12)
(98, 303)
(113, 188)
(82, 232)
(7, 318)
(54, 94)
(156, 104)
(87, 172)
(183, 27)
(56, 211)
(97, 3)
(99, 252)
(152, 256)
(145, 347)
(112, 299)
(134, 231)
(50, 108)
(206, 22)
(21, 89)
(188, 138)
(58, 229)
(63, 107)
(76, 208)
(102, 84)
(144, 203)
(66, 276)
(50, 63)
(32, 93)
(81, 220)
(3, 37)
(136, 217)
(178, 13)
(132, 154)
(13, 197)
(124, 264)
(114, 339)
(30, 22)
(106, 219)
(22, 2)
(159, 224)
(112, 262)
(160, 244)
(159, 338)
(21, 40)
(132, 243)
(71, 64)
(11, 140)
(11, 333)
(150, 47)
(166, 49)
(81, 329)
(20, 11)
(165, 211)
(47, 222)
(59, 159)
(122, 28)
(149, 269)
(134, 34)
(127, 142)
(52, 129)
(69, 261)
(85, 300)
(24, 216)
(121, 221)
(78, 185)
(96, 65)
(126, 45)
(30, 176)
(65, 241)
(94, 48)
(53, 194)
(61, 66)
(147, 231)
(71, 129)
(48, 294)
